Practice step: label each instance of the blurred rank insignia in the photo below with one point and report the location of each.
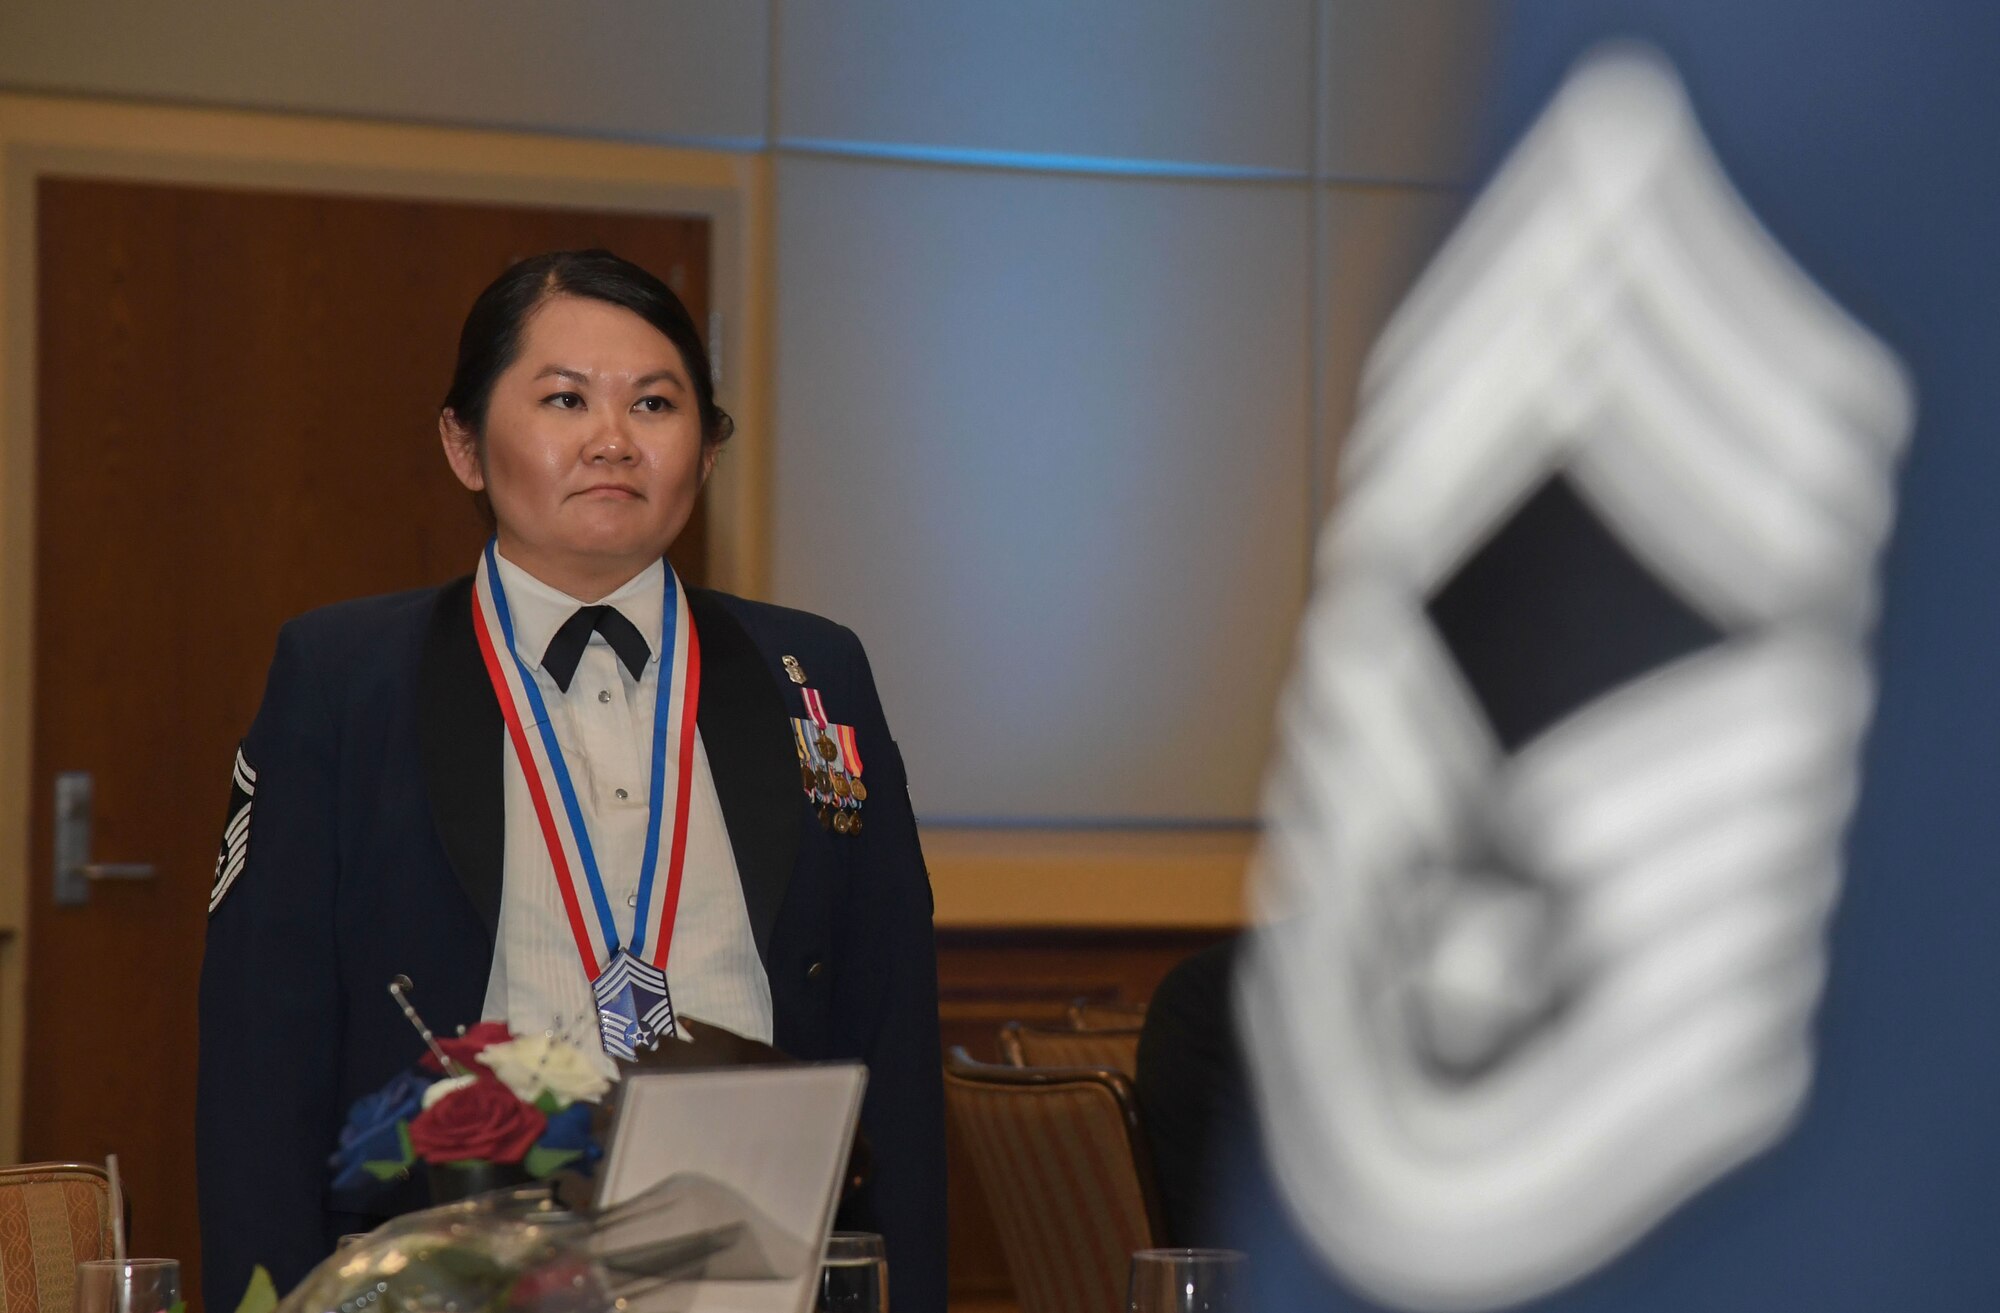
(1554, 827)
(829, 767)
(235, 850)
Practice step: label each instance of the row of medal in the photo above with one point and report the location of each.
(832, 777)
(835, 790)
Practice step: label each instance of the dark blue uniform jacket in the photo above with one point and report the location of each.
(375, 849)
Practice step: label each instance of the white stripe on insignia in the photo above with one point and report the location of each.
(234, 851)
(1515, 1002)
(237, 858)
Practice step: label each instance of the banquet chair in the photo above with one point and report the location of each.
(1088, 1014)
(1060, 1157)
(52, 1217)
(1048, 1046)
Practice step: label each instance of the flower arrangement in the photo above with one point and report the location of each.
(508, 1251)
(487, 1097)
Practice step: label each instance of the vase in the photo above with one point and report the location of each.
(451, 1182)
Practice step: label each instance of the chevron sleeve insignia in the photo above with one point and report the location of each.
(235, 849)
(1554, 827)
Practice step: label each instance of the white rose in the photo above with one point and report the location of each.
(449, 1085)
(531, 1064)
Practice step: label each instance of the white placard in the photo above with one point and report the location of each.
(766, 1145)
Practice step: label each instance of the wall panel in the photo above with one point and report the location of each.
(1398, 81)
(1177, 80)
(1041, 441)
(643, 69)
(1374, 242)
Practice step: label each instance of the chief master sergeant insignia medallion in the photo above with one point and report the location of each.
(634, 1009)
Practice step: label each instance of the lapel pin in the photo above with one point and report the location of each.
(797, 675)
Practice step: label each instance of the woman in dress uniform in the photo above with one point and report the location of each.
(563, 772)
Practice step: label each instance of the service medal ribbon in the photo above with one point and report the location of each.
(850, 753)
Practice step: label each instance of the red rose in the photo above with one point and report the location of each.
(483, 1120)
(464, 1049)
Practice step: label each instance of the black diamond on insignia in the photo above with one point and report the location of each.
(1553, 611)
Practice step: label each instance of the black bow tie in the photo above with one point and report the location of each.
(566, 648)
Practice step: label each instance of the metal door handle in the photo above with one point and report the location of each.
(75, 872)
(118, 871)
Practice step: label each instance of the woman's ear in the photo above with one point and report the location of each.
(461, 450)
(709, 451)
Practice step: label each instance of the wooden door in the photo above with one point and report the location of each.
(237, 404)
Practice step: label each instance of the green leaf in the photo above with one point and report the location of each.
(547, 1103)
(542, 1162)
(403, 1138)
(384, 1169)
(262, 1296)
(178, 1306)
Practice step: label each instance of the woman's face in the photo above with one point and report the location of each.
(593, 452)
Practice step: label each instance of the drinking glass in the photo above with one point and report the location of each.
(1186, 1281)
(134, 1285)
(854, 1278)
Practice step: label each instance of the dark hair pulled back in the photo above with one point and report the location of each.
(491, 338)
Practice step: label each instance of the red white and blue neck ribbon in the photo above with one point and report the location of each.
(628, 977)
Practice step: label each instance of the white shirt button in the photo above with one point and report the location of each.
(621, 794)
(631, 900)
(603, 695)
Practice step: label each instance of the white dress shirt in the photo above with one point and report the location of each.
(604, 724)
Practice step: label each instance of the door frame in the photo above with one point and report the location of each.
(42, 136)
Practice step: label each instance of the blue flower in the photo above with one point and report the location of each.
(570, 1130)
(371, 1133)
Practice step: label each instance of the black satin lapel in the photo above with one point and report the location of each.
(748, 739)
(459, 730)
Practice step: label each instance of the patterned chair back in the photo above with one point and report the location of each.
(1046, 1046)
(1085, 1014)
(52, 1217)
(1059, 1155)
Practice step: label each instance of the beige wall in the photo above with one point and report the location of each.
(648, 70)
(1046, 321)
